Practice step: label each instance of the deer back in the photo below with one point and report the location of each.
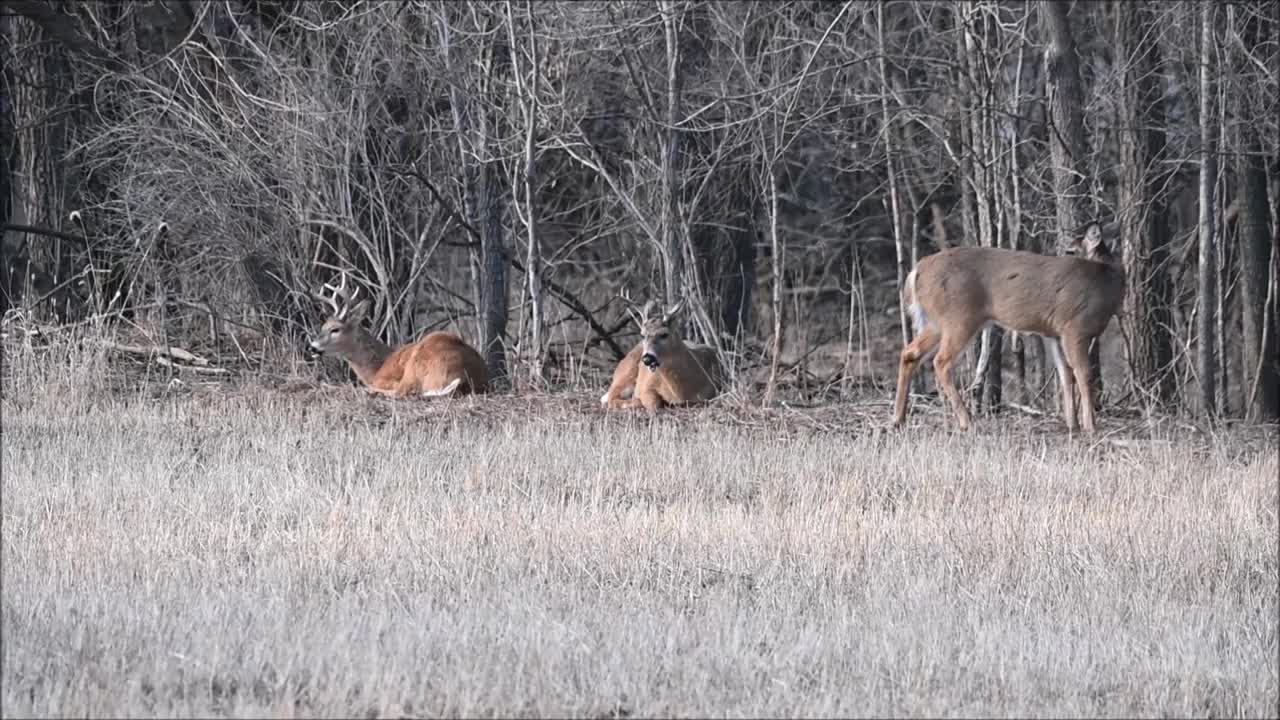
(1022, 291)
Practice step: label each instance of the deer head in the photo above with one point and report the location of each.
(1090, 245)
(658, 333)
(340, 331)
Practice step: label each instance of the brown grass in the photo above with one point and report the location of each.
(297, 551)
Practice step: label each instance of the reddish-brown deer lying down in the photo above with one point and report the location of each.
(1068, 301)
(662, 369)
(438, 364)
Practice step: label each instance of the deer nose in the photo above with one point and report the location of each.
(650, 360)
(312, 350)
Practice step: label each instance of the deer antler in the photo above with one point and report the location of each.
(630, 306)
(647, 311)
(339, 299)
(672, 311)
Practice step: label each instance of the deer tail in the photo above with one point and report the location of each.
(912, 302)
(446, 390)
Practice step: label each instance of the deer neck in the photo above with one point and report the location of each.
(678, 363)
(366, 355)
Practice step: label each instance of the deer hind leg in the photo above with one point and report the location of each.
(1077, 350)
(1065, 380)
(953, 343)
(912, 354)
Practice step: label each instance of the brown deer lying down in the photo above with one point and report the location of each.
(661, 369)
(1068, 301)
(438, 364)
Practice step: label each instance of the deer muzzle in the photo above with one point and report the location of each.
(312, 351)
(650, 360)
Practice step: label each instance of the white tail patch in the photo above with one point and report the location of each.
(446, 390)
(918, 317)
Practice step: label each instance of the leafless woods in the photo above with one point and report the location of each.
(508, 168)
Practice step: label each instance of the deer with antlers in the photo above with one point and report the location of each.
(1066, 300)
(437, 364)
(662, 369)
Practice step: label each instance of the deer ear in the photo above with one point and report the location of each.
(356, 312)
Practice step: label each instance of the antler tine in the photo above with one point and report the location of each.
(625, 296)
(341, 298)
(647, 310)
(342, 286)
(330, 300)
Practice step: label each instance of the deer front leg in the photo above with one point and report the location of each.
(1077, 352)
(624, 402)
(652, 400)
(384, 392)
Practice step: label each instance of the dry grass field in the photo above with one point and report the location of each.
(252, 550)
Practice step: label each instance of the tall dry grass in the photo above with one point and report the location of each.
(244, 552)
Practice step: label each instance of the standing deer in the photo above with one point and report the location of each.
(662, 369)
(437, 364)
(1068, 301)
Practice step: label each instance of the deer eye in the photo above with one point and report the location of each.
(333, 330)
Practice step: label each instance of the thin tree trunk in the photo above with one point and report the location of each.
(1206, 360)
(775, 244)
(741, 285)
(964, 167)
(899, 243)
(976, 85)
(672, 251)
(1013, 208)
(533, 260)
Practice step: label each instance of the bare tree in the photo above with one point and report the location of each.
(527, 89)
(1141, 202)
(1067, 141)
(440, 151)
(672, 12)
(476, 132)
(1261, 375)
(1208, 291)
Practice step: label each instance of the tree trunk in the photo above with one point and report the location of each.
(902, 254)
(1066, 135)
(977, 91)
(1206, 360)
(1067, 141)
(672, 253)
(775, 244)
(1143, 222)
(742, 278)
(1261, 376)
(37, 187)
(533, 260)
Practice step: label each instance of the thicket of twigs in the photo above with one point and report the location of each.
(191, 172)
